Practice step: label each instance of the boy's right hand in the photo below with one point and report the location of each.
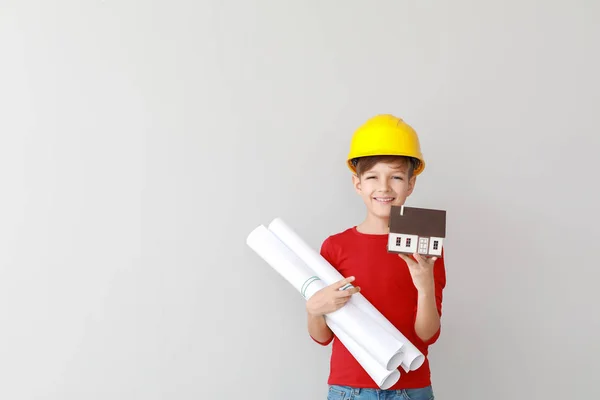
(330, 298)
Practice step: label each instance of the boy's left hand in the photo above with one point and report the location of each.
(421, 271)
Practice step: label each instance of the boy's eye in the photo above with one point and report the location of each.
(398, 177)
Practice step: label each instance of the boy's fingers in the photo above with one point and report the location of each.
(348, 292)
(425, 260)
(341, 301)
(343, 282)
(429, 260)
(406, 258)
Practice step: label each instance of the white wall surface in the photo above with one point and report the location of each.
(140, 142)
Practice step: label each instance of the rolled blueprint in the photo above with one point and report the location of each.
(384, 378)
(412, 357)
(383, 347)
(284, 261)
(381, 350)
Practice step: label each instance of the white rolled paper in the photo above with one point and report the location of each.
(284, 261)
(383, 347)
(378, 352)
(412, 357)
(384, 378)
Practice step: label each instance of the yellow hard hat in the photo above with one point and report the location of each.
(385, 135)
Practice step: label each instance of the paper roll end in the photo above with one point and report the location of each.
(254, 234)
(276, 221)
(414, 364)
(390, 380)
(395, 361)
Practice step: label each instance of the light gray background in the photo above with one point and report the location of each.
(141, 141)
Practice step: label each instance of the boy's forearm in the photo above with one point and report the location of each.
(427, 322)
(318, 328)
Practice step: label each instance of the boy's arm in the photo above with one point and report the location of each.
(318, 329)
(427, 321)
(325, 301)
(430, 280)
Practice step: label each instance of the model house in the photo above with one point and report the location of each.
(416, 230)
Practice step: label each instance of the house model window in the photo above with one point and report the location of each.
(423, 245)
(423, 230)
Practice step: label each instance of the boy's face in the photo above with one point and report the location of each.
(384, 185)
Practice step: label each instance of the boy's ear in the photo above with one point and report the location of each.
(356, 183)
(411, 185)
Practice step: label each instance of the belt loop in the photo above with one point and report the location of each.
(356, 391)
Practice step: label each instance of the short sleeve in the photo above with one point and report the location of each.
(439, 276)
(325, 343)
(327, 252)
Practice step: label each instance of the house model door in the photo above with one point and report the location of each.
(423, 245)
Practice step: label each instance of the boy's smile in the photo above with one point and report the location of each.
(384, 200)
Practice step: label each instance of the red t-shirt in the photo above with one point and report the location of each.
(385, 281)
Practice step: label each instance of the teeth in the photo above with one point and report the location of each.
(387, 199)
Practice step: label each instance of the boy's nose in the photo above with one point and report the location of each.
(385, 185)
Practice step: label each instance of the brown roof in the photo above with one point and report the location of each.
(418, 221)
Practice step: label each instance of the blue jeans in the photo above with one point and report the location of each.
(349, 393)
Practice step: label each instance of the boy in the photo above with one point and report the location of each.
(385, 159)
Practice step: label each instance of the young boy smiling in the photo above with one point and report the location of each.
(385, 159)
